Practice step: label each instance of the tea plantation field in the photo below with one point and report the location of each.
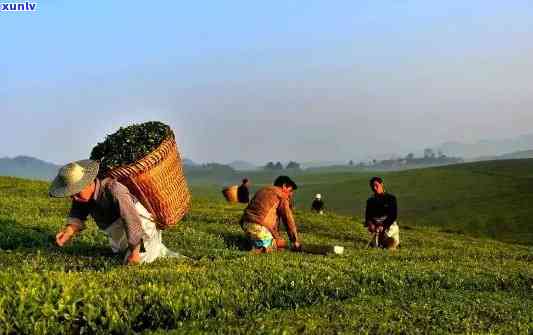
(490, 199)
(437, 282)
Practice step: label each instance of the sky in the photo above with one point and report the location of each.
(266, 81)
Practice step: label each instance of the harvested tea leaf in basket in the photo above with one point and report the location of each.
(129, 144)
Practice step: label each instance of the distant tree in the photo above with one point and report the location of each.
(441, 154)
(293, 165)
(429, 153)
(270, 166)
(410, 156)
(278, 166)
(350, 162)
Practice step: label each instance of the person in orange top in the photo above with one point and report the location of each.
(260, 218)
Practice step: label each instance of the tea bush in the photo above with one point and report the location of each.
(436, 283)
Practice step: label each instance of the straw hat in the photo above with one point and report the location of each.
(318, 196)
(73, 177)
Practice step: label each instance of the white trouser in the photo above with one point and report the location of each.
(393, 232)
(151, 237)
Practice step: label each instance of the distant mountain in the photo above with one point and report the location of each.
(212, 173)
(518, 155)
(188, 162)
(28, 167)
(318, 164)
(487, 147)
(523, 154)
(242, 166)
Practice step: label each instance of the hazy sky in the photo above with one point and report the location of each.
(270, 80)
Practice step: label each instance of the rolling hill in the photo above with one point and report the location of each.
(482, 199)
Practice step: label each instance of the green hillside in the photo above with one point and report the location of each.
(493, 199)
(437, 283)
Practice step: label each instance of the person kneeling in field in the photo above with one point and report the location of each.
(260, 218)
(380, 217)
(114, 209)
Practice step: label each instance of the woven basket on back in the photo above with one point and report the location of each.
(230, 193)
(158, 181)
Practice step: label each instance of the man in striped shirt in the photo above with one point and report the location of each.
(114, 209)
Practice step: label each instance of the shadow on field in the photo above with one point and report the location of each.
(330, 232)
(82, 248)
(236, 240)
(15, 236)
(346, 238)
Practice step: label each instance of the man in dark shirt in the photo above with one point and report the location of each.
(318, 204)
(243, 192)
(380, 216)
(114, 209)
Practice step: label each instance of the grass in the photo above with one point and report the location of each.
(438, 282)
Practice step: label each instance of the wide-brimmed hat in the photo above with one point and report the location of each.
(73, 177)
(318, 196)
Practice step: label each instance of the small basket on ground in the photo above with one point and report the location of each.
(230, 193)
(158, 181)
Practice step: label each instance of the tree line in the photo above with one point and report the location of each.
(292, 165)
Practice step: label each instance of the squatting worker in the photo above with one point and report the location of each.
(380, 216)
(114, 209)
(260, 218)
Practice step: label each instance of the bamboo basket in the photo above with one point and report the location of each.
(230, 193)
(158, 181)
